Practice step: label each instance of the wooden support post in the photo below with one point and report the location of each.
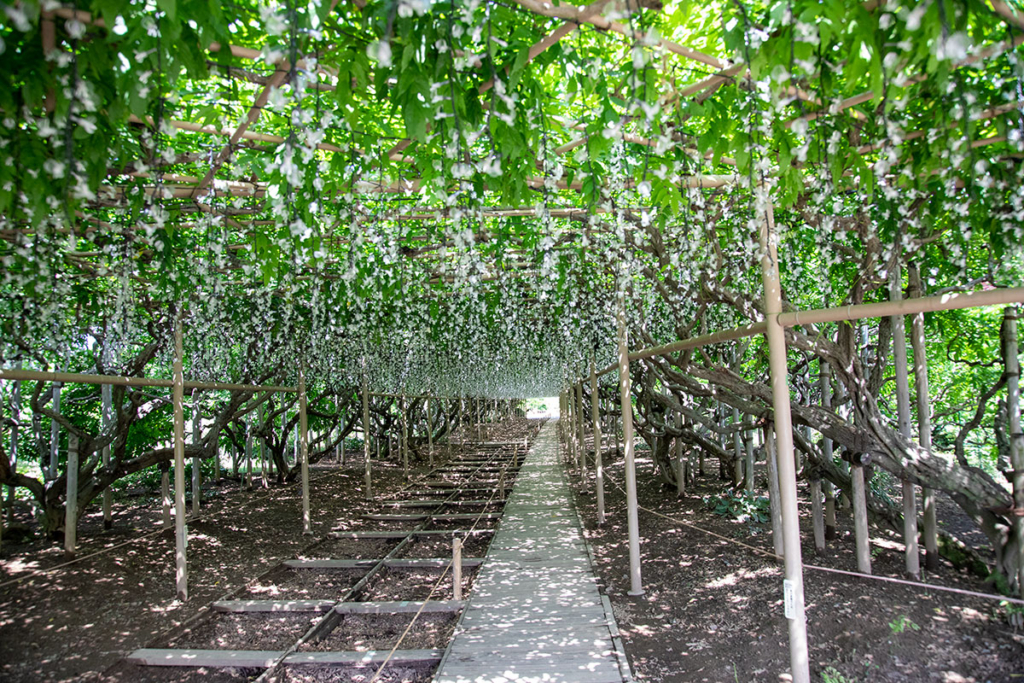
(54, 433)
(307, 523)
(581, 433)
(456, 567)
(772, 462)
(216, 458)
(1011, 364)
(430, 436)
(448, 435)
(165, 494)
(793, 584)
(197, 476)
(368, 478)
(248, 453)
(817, 515)
(264, 470)
(825, 384)
(595, 408)
(405, 438)
(899, 347)
(626, 401)
(341, 439)
(860, 519)
(680, 460)
(15, 446)
(180, 531)
(71, 500)
(107, 417)
(748, 447)
(929, 521)
(737, 445)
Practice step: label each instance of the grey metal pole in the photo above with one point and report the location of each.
(793, 584)
(625, 397)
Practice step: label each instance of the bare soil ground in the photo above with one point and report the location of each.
(77, 622)
(713, 609)
(74, 622)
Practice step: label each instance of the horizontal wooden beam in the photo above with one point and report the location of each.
(363, 659)
(930, 304)
(119, 380)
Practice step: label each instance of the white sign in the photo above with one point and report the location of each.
(789, 598)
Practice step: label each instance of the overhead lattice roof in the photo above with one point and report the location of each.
(454, 190)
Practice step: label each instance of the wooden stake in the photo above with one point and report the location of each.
(626, 400)
(307, 526)
(71, 500)
(180, 531)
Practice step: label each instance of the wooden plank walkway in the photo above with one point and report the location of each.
(535, 613)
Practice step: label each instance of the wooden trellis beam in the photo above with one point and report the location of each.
(577, 15)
